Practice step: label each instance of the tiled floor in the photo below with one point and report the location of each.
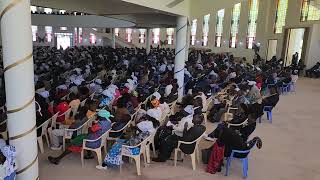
(290, 149)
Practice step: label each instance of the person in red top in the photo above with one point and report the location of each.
(62, 107)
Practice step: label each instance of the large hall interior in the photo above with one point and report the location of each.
(159, 89)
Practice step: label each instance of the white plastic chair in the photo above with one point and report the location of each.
(81, 129)
(53, 125)
(66, 114)
(4, 133)
(195, 155)
(241, 124)
(74, 110)
(92, 95)
(103, 144)
(117, 131)
(151, 142)
(44, 133)
(66, 97)
(144, 150)
(228, 115)
(172, 107)
(83, 102)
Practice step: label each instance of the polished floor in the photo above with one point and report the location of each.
(290, 149)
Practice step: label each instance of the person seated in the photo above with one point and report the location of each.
(312, 71)
(8, 164)
(60, 107)
(254, 95)
(95, 131)
(273, 99)
(198, 105)
(250, 113)
(177, 128)
(42, 112)
(84, 114)
(74, 101)
(145, 127)
(232, 140)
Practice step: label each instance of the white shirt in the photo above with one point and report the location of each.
(178, 128)
(145, 126)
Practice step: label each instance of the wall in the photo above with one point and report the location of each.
(313, 49)
(265, 24)
(181, 9)
(85, 36)
(136, 33)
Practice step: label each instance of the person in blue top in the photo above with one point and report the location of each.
(95, 132)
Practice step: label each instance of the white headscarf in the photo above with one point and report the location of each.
(155, 113)
(189, 109)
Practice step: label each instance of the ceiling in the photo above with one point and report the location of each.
(142, 16)
(89, 21)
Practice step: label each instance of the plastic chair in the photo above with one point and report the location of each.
(152, 143)
(83, 102)
(292, 86)
(144, 150)
(4, 133)
(285, 89)
(117, 131)
(44, 133)
(237, 125)
(269, 86)
(228, 115)
(53, 125)
(268, 110)
(196, 152)
(103, 144)
(172, 107)
(74, 110)
(245, 162)
(66, 97)
(92, 95)
(81, 129)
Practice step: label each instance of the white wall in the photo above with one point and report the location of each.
(313, 49)
(85, 36)
(265, 24)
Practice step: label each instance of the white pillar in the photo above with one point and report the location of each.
(148, 39)
(78, 37)
(188, 40)
(15, 20)
(180, 54)
(113, 38)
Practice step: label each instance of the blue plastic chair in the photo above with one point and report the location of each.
(292, 87)
(268, 111)
(285, 89)
(245, 162)
(215, 89)
(268, 88)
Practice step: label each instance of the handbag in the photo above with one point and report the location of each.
(206, 153)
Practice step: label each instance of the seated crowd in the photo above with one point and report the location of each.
(122, 99)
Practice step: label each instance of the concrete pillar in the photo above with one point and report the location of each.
(180, 53)
(78, 37)
(113, 38)
(148, 39)
(188, 40)
(15, 20)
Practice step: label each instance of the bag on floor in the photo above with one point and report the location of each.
(206, 155)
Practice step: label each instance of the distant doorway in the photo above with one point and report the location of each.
(272, 48)
(294, 40)
(64, 40)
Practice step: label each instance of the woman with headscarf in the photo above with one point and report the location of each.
(95, 131)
